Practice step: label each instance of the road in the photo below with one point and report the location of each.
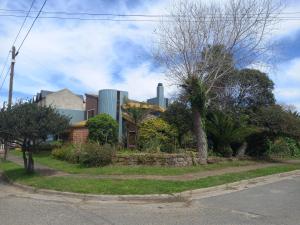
(275, 203)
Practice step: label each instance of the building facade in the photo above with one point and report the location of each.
(66, 102)
(108, 101)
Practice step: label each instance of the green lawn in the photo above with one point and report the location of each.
(109, 186)
(46, 159)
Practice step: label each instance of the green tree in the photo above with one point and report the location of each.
(157, 134)
(32, 125)
(273, 122)
(179, 115)
(196, 46)
(7, 122)
(103, 129)
(243, 90)
(277, 122)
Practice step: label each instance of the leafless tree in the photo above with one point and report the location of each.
(196, 42)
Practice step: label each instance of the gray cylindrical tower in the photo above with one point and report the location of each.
(160, 95)
(110, 102)
(107, 102)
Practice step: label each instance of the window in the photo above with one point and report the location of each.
(90, 113)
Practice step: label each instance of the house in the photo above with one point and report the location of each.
(113, 102)
(65, 101)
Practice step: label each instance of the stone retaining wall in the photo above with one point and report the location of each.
(175, 160)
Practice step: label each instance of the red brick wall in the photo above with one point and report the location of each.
(91, 103)
(79, 135)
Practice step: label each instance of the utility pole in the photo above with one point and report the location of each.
(10, 91)
(11, 80)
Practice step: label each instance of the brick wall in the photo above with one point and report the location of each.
(91, 103)
(79, 135)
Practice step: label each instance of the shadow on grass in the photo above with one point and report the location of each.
(19, 174)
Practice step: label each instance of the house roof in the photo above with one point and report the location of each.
(44, 93)
(79, 124)
(142, 105)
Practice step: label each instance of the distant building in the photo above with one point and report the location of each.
(110, 101)
(160, 99)
(66, 102)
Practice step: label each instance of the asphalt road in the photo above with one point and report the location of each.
(275, 203)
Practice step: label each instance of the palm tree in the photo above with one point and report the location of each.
(136, 116)
(224, 131)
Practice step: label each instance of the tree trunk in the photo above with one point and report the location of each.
(5, 150)
(25, 159)
(30, 165)
(242, 150)
(200, 136)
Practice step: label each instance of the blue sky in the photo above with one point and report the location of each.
(86, 56)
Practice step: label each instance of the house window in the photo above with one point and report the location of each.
(90, 113)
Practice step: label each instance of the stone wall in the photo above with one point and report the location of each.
(175, 160)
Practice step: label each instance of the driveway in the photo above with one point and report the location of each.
(275, 203)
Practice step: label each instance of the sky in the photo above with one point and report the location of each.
(86, 56)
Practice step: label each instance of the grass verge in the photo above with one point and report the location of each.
(123, 187)
(46, 159)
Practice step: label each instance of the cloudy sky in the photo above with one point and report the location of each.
(86, 56)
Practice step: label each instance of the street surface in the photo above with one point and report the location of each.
(276, 203)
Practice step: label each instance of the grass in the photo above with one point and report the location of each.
(46, 159)
(109, 186)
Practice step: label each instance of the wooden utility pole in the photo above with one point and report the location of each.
(10, 91)
(11, 80)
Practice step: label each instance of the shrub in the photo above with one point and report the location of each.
(283, 147)
(67, 153)
(103, 129)
(157, 135)
(93, 155)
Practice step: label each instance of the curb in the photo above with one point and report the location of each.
(184, 196)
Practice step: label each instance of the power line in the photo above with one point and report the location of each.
(4, 64)
(4, 78)
(25, 35)
(141, 20)
(16, 38)
(31, 26)
(124, 15)
(24, 21)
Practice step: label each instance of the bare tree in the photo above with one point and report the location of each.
(196, 42)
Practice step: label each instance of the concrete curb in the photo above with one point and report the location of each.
(176, 197)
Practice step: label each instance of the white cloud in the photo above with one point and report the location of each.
(288, 93)
(287, 82)
(81, 55)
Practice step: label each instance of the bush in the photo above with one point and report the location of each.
(157, 135)
(67, 153)
(88, 155)
(103, 129)
(93, 155)
(283, 147)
